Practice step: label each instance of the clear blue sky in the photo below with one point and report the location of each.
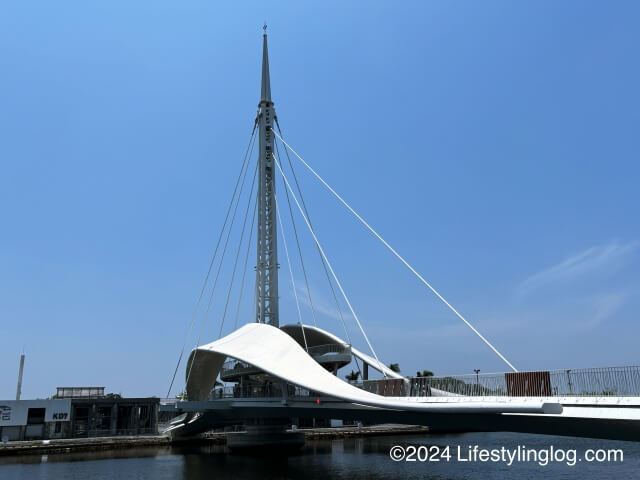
(494, 144)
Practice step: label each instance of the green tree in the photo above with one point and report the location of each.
(182, 395)
(427, 373)
(395, 367)
(353, 376)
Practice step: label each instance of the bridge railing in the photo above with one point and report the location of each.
(329, 348)
(585, 382)
(239, 367)
(236, 367)
(258, 391)
(611, 381)
(85, 433)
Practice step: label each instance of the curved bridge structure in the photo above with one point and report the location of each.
(316, 336)
(278, 354)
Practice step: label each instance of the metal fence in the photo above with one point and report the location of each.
(236, 367)
(587, 382)
(79, 392)
(81, 433)
(611, 381)
(259, 391)
(329, 348)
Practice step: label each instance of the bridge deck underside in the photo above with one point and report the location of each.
(220, 413)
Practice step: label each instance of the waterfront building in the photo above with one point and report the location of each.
(76, 412)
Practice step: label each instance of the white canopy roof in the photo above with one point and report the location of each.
(278, 354)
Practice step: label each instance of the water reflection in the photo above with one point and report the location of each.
(348, 459)
(86, 456)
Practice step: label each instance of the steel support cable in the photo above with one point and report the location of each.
(224, 251)
(333, 273)
(392, 250)
(324, 266)
(213, 257)
(235, 263)
(333, 292)
(215, 282)
(293, 283)
(246, 262)
(295, 231)
(355, 359)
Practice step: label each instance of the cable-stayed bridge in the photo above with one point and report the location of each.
(273, 373)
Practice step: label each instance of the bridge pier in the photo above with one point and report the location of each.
(266, 434)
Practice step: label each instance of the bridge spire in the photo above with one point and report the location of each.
(267, 310)
(265, 91)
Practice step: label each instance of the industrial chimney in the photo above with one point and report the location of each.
(20, 377)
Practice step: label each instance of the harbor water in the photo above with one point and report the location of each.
(437, 456)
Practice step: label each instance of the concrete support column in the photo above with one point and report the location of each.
(114, 419)
(365, 371)
(154, 418)
(132, 419)
(91, 423)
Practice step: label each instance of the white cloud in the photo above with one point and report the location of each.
(604, 306)
(591, 260)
